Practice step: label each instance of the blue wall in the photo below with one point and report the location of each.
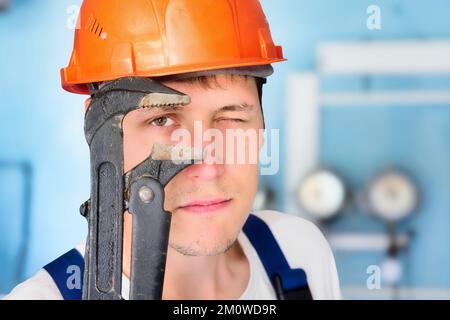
(359, 141)
(299, 25)
(43, 125)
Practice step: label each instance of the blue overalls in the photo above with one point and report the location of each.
(289, 284)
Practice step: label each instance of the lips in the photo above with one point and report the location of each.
(205, 206)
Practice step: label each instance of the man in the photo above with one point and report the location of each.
(219, 54)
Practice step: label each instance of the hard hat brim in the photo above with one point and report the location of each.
(261, 71)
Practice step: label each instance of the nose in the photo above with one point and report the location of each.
(205, 171)
(211, 167)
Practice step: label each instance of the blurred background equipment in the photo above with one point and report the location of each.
(369, 103)
(392, 196)
(322, 194)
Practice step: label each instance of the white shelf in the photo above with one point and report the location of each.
(384, 57)
(362, 241)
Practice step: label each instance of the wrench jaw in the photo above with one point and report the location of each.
(164, 163)
(150, 239)
(158, 99)
(161, 171)
(151, 223)
(104, 210)
(117, 98)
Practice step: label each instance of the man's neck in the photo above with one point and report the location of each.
(223, 276)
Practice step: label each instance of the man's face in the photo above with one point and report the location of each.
(209, 201)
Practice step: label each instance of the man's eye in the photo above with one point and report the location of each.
(233, 120)
(162, 122)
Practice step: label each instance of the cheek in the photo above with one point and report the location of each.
(132, 154)
(252, 177)
(137, 145)
(245, 180)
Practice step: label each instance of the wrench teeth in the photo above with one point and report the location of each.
(156, 105)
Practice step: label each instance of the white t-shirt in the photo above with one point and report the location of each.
(302, 243)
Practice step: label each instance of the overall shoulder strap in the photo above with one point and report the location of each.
(67, 272)
(289, 284)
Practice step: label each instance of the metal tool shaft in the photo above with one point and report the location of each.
(105, 209)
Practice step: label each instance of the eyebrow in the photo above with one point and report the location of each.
(231, 107)
(236, 107)
(168, 108)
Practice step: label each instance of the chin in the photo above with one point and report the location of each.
(205, 235)
(206, 242)
(203, 249)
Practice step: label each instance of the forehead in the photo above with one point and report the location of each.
(217, 84)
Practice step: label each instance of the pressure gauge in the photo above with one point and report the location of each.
(322, 194)
(392, 196)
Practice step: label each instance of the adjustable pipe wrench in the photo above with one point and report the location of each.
(140, 190)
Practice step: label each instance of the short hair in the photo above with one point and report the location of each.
(207, 81)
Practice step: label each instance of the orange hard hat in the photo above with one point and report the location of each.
(151, 38)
